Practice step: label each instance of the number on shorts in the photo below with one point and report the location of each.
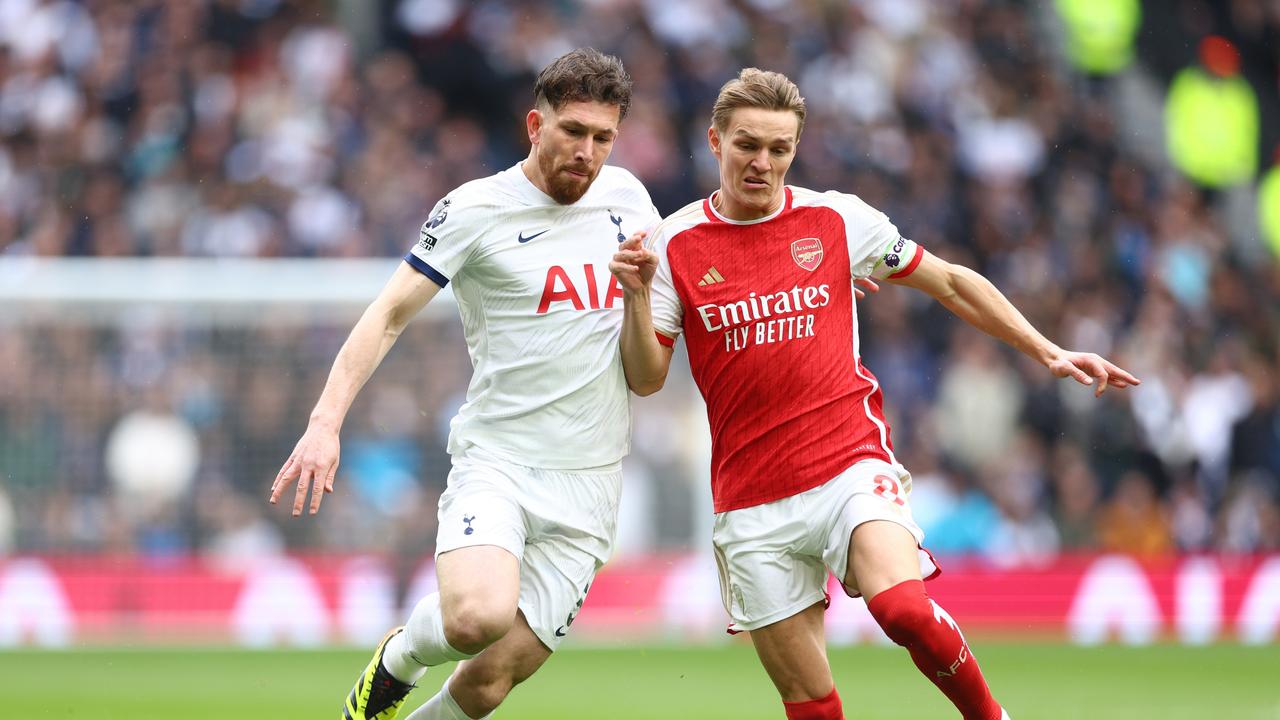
(889, 489)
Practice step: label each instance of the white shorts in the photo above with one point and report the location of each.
(559, 524)
(774, 558)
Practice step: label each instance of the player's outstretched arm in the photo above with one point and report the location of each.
(972, 297)
(314, 461)
(645, 361)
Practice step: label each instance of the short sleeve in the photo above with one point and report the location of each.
(445, 243)
(651, 216)
(668, 310)
(652, 221)
(876, 248)
(636, 196)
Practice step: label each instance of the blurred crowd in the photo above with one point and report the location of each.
(303, 128)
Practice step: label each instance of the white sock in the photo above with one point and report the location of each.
(422, 644)
(442, 707)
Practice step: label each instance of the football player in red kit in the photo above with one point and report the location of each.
(759, 280)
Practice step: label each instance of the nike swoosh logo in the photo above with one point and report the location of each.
(526, 238)
(560, 631)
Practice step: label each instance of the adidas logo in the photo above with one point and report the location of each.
(712, 277)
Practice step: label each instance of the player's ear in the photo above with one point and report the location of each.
(533, 123)
(713, 139)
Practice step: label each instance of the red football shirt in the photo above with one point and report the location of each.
(767, 311)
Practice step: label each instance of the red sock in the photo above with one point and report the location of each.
(828, 708)
(915, 622)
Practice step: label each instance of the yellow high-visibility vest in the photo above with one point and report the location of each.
(1211, 126)
(1100, 33)
(1269, 209)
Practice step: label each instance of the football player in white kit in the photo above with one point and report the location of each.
(530, 510)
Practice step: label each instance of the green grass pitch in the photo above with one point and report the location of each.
(1035, 681)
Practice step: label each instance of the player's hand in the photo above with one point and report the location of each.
(1092, 369)
(633, 264)
(862, 286)
(314, 463)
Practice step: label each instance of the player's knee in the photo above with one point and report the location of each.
(473, 626)
(904, 618)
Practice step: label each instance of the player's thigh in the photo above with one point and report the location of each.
(480, 541)
(873, 541)
(572, 523)
(554, 580)
(881, 554)
(478, 581)
(480, 684)
(769, 567)
(794, 654)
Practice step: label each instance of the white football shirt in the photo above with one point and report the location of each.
(541, 313)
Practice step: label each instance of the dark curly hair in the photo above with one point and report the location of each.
(584, 75)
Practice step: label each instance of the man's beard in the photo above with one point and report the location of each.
(565, 189)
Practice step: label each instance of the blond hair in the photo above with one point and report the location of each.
(756, 88)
